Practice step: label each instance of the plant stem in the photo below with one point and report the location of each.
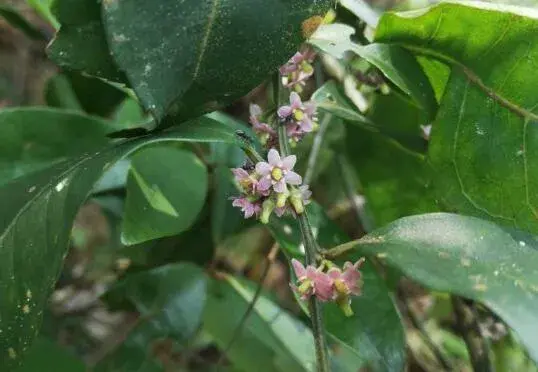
(470, 331)
(311, 252)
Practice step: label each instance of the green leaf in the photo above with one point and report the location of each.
(374, 333)
(170, 301)
(43, 7)
(271, 340)
(484, 138)
(467, 256)
(397, 64)
(72, 90)
(362, 10)
(18, 21)
(35, 223)
(80, 43)
(45, 352)
(395, 181)
(163, 200)
(35, 138)
(204, 54)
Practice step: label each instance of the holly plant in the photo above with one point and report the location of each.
(268, 185)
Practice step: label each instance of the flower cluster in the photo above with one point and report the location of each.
(297, 70)
(334, 284)
(298, 117)
(271, 186)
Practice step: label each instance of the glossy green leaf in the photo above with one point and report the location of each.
(35, 138)
(484, 138)
(43, 7)
(397, 64)
(271, 340)
(72, 90)
(362, 10)
(162, 200)
(80, 43)
(469, 257)
(170, 300)
(35, 222)
(47, 353)
(206, 53)
(18, 21)
(374, 334)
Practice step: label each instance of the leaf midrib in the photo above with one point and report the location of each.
(474, 78)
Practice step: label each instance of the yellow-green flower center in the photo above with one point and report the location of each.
(340, 287)
(298, 115)
(276, 173)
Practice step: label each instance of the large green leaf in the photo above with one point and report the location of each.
(469, 257)
(45, 352)
(271, 340)
(205, 53)
(374, 333)
(483, 144)
(37, 214)
(397, 64)
(80, 43)
(34, 138)
(170, 300)
(43, 7)
(166, 190)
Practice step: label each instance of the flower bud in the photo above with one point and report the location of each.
(267, 208)
(344, 303)
(296, 201)
(281, 199)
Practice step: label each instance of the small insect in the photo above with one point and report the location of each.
(248, 165)
(241, 134)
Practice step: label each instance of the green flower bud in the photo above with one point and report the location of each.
(267, 208)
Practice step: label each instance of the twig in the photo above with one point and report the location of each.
(311, 252)
(269, 260)
(469, 329)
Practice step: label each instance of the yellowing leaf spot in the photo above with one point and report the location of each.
(381, 255)
(444, 255)
(11, 352)
(28, 294)
(465, 262)
(310, 25)
(481, 287)
(26, 309)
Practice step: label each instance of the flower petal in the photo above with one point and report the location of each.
(240, 173)
(293, 178)
(306, 124)
(299, 269)
(289, 162)
(295, 100)
(255, 110)
(284, 111)
(280, 186)
(323, 287)
(264, 184)
(273, 157)
(263, 168)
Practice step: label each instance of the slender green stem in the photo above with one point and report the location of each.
(470, 331)
(311, 252)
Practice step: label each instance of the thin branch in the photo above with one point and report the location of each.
(269, 260)
(469, 329)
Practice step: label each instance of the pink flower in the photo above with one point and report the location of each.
(259, 127)
(277, 172)
(312, 282)
(298, 69)
(347, 282)
(247, 181)
(248, 207)
(302, 114)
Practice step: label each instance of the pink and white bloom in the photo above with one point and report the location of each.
(249, 208)
(246, 180)
(298, 69)
(311, 282)
(348, 281)
(259, 127)
(302, 114)
(277, 172)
